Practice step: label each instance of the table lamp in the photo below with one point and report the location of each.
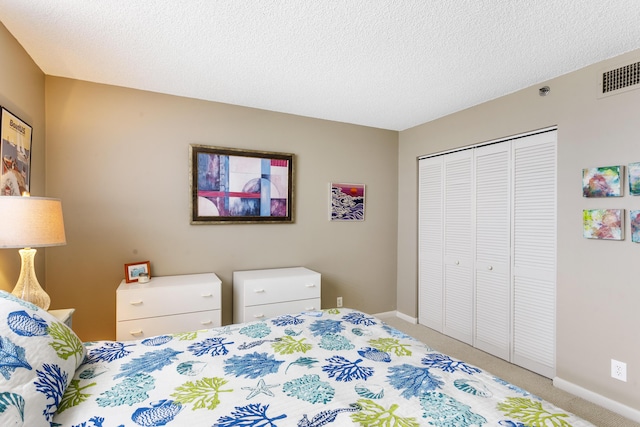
(28, 222)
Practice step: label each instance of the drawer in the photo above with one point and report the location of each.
(267, 291)
(145, 328)
(259, 312)
(139, 303)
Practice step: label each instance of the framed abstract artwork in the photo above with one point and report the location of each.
(230, 185)
(634, 179)
(605, 224)
(15, 151)
(603, 181)
(635, 225)
(346, 202)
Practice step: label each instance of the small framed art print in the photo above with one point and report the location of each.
(346, 202)
(133, 271)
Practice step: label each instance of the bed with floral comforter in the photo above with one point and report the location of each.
(337, 367)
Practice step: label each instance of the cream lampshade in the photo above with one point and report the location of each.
(28, 222)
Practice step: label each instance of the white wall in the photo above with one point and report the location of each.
(598, 290)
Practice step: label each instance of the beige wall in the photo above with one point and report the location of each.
(118, 159)
(22, 93)
(598, 291)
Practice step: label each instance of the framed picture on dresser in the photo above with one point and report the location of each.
(135, 270)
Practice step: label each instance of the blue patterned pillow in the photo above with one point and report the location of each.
(38, 358)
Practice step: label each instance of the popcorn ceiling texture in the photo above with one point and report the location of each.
(389, 64)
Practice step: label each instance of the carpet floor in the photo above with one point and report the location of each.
(530, 381)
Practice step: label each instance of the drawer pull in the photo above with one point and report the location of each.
(310, 285)
(258, 316)
(139, 302)
(310, 308)
(258, 291)
(206, 322)
(209, 295)
(138, 332)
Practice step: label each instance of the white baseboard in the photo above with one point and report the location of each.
(605, 402)
(406, 318)
(396, 313)
(385, 314)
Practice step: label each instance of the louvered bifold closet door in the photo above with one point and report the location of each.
(430, 249)
(458, 246)
(493, 249)
(534, 252)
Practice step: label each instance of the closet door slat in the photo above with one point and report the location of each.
(493, 249)
(534, 253)
(430, 250)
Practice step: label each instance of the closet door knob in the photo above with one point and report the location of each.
(457, 262)
(490, 267)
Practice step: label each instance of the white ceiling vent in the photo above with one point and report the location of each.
(618, 80)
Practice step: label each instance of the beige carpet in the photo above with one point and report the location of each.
(534, 383)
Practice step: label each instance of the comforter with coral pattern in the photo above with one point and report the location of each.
(328, 368)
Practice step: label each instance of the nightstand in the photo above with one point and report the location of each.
(64, 315)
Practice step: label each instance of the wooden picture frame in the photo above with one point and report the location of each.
(15, 152)
(232, 186)
(133, 270)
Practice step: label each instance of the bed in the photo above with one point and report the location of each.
(337, 367)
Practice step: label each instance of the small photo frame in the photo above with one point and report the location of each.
(133, 271)
(604, 181)
(346, 202)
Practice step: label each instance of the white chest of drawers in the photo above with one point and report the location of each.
(168, 304)
(259, 294)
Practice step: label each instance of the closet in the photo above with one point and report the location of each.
(487, 247)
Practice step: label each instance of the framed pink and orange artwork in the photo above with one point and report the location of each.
(346, 202)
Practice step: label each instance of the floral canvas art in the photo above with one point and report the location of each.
(634, 179)
(606, 224)
(602, 181)
(635, 226)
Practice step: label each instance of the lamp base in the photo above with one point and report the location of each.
(28, 287)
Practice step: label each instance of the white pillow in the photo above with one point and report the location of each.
(38, 358)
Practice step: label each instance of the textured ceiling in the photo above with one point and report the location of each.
(389, 64)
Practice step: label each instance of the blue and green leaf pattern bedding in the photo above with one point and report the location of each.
(335, 367)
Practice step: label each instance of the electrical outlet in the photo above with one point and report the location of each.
(339, 302)
(618, 370)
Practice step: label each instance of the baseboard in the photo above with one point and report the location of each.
(605, 402)
(385, 314)
(406, 318)
(396, 313)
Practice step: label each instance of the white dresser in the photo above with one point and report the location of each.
(259, 294)
(168, 304)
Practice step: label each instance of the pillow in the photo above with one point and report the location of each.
(38, 358)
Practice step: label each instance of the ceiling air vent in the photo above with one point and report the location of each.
(619, 80)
